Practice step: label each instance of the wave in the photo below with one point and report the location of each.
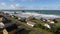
(36, 15)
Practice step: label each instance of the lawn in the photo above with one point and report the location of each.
(38, 22)
(58, 23)
(32, 32)
(44, 31)
(40, 29)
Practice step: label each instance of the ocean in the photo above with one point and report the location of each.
(54, 12)
(49, 14)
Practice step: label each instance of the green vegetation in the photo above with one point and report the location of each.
(38, 21)
(57, 28)
(40, 27)
(32, 32)
(58, 23)
(22, 20)
(15, 17)
(45, 30)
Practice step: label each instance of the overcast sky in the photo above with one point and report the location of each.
(30, 4)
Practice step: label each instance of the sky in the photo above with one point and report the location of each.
(30, 4)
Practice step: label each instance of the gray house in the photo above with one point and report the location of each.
(57, 19)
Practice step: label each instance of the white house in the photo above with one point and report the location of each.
(22, 16)
(52, 22)
(44, 20)
(49, 21)
(19, 18)
(1, 18)
(2, 25)
(32, 24)
(46, 25)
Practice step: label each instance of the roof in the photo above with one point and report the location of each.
(57, 19)
(46, 25)
(52, 22)
(1, 25)
(33, 23)
(1, 16)
(22, 15)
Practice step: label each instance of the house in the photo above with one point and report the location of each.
(29, 18)
(52, 25)
(23, 17)
(1, 25)
(32, 24)
(47, 25)
(19, 18)
(52, 22)
(1, 18)
(57, 19)
(12, 16)
(48, 21)
(10, 27)
(5, 31)
(44, 20)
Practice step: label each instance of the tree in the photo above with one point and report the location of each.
(55, 20)
(23, 20)
(34, 18)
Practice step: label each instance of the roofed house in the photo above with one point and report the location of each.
(2, 26)
(52, 22)
(32, 24)
(47, 25)
(1, 18)
(57, 19)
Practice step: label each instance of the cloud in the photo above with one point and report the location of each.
(42, 8)
(16, 6)
(31, 7)
(3, 4)
(49, 7)
(12, 6)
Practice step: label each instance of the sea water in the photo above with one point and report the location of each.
(40, 13)
(54, 12)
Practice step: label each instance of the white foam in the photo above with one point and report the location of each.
(36, 15)
(8, 12)
(43, 15)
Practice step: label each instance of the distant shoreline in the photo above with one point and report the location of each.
(36, 15)
(52, 12)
